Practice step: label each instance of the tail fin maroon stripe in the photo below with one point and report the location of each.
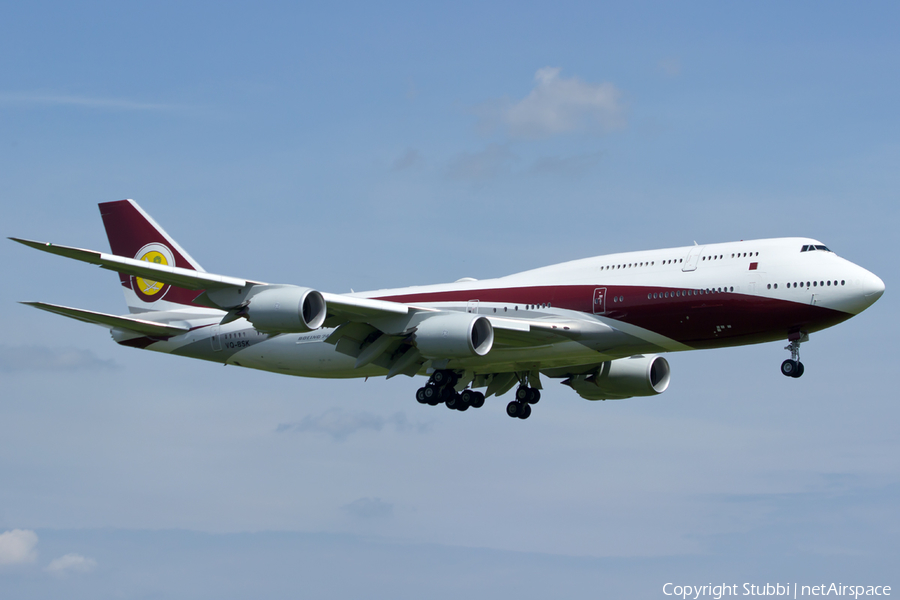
(134, 234)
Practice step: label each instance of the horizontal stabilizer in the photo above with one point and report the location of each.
(177, 276)
(112, 321)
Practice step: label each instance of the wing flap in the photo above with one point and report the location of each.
(523, 332)
(348, 308)
(141, 326)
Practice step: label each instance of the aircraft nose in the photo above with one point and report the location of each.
(870, 288)
(873, 287)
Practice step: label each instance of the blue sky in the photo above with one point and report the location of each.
(366, 146)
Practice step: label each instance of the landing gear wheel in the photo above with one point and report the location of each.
(446, 393)
(512, 409)
(477, 401)
(534, 396)
(790, 368)
(444, 378)
(453, 402)
(432, 395)
(462, 406)
(525, 411)
(420, 396)
(522, 393)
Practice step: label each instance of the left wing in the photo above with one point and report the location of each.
(177, 276)
(360, 320)
(221, 291)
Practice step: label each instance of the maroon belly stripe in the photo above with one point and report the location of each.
(702, 320)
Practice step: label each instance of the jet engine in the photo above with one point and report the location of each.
(623, 378)
(287, 309)
(456, 335)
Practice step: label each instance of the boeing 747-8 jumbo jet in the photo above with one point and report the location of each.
(597, 324)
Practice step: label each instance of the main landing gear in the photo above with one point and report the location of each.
(521, 406)
(792, 367)
(440, 389)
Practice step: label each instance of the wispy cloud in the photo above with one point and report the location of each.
(557, 105)
(670, 67)
(339, 425)
(411, 158)
(30, 99)
(494, 160)
(18, 546)
(39, 358)
(70, 563)
(838, 516)
(572, 166)
(369, 508)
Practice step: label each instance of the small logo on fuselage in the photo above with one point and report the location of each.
(147, 289)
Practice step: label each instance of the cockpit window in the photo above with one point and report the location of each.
(811, 248)
(820, 247)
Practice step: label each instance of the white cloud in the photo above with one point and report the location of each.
(558, 105)
(71, 563)
(18, 547)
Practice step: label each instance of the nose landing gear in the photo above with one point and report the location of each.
(792, 367)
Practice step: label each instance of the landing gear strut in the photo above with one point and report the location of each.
(792, 367)
(440, 389)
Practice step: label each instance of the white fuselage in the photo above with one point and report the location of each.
(655, 301)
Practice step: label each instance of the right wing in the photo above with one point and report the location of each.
(142, 326)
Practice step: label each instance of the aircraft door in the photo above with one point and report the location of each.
(599, 303)
(216, 339)
(472, 306)
(693, 257)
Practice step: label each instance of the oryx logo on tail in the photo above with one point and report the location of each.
(147, 290)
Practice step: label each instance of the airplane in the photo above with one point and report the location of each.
(596, 324)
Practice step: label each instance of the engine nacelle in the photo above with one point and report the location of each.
(287, 309)
(457, 335)
(623, 378)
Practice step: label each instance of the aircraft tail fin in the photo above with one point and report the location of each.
(134, 234)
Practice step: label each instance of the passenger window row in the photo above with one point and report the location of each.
(809, 284)
(627, 265)
(683, 293)
(674, 261)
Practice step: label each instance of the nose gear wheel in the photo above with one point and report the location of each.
(792, 367)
